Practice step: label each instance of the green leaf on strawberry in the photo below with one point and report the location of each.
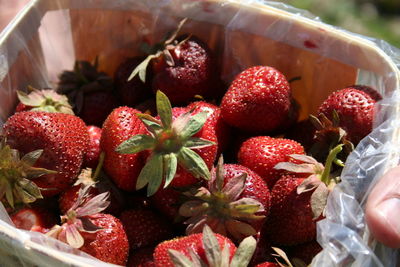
(171, 142)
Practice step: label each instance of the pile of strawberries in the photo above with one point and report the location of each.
(182, 172)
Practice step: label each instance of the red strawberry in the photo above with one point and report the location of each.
(298, 199)
(179, 147)
(206, 247)
(262, 153)
(183, 67)
(141, 258)
(291, 220)
(97, 185)
(221, 204)
(119, 126)
(214, 120)
(100, 235)
(355, 108)
(186, 69)
(258, 100)
(145, 228)
(63, 138)
(16, 174)
(89, 90)
(34, 219)
(93, 153)
(167, 201)
(134, 91)
(43, 100)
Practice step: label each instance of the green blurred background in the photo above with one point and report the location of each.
(374, 18)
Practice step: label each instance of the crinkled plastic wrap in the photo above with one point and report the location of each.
(48, 35)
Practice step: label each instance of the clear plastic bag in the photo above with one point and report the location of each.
(48, 35)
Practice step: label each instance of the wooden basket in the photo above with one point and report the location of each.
(48, 35)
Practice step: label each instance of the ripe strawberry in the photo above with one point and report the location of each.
(167, 201)
(93, 152)
(141, 258)
(119, 126)
(355, 107)
(214, 120)
(183, 67)
(43, 100)
(187, 70)
(89, 90)
(299, 198)
(97, 186)
(34, 219)
(145, 228)
(63, 138)
(132, 92)
(258, 100)
(262, 153)
(291, 220)
(16, 176)
(234, 203)
(205, 248)
(100, 235)
(179, 148)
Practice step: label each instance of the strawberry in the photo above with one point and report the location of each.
(16, 175)
(262, 153)
(93, 152)
(97, 186)
(355, 108)
(183, 67)
(299, 198)
(204, 249)
(302, 132)
(234, 203)
(134, 91)
(144, 228)
(141, 258)
(63, 139)
(258, 100)
(84, 227)
(89, 90)
(43, 100)
(214, 120)
(167, 201)
(119, 126)
(34, 219)
(179, 148)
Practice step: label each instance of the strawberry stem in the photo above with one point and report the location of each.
(99, 167)
(328, 163)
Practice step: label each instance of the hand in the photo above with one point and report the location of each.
(383, 209)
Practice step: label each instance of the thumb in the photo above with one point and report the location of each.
(383, 209)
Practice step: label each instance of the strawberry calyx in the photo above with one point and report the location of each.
(328, 134)
(77, 218)
(160, 50)
(45, 100)
(320, 179)
(221, 206)
(83, 79)
(16, 174)
(170, 142)
(215, 256)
